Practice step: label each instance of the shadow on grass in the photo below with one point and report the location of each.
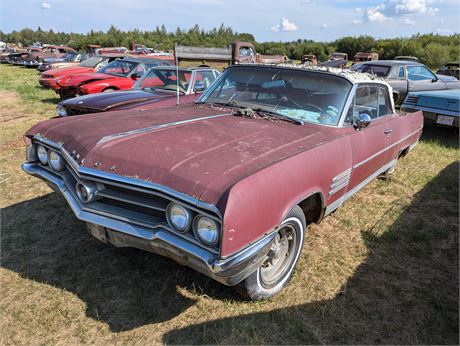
(126, 288)
(406, 292)
(52, 100)
(443, 135)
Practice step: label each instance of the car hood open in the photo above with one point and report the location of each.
(196, 150)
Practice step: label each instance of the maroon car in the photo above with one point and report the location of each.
(156, 89)
(227, 186)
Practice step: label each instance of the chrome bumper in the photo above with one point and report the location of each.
(229, 271)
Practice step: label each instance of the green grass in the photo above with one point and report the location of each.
(383, 269)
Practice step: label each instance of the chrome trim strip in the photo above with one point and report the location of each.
(330, 208)
(341, 175)
(155, 127)
(385, 149)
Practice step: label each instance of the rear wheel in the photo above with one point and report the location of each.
(278, 266)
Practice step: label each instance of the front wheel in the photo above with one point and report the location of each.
(278, 266)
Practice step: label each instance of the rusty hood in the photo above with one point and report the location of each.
(196, 150)
(58, 72)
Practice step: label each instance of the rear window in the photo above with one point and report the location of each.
(378, 70)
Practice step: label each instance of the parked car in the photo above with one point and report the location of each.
(227, 186)
(156, 89)
(440, 107)
(120, 74)
(405, 76)
(450, 69)
(339, 56)
(406, 57)
(71, 59)
(337, 59)
(309, 59)
(35, 59)
(49, 79)
(365, 56)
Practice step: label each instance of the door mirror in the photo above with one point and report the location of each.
(434, 80)
(199, 86)
(135, 76)
(363, 121)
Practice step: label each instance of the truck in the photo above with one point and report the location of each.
(236, 53)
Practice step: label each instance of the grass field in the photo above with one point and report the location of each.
(383, 269)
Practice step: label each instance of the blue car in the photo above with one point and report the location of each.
(441, 107)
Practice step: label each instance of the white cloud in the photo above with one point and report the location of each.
(284, 25)
(325, 26)
(397, 8)
(356, 21)
(444, 31)
(46, 6)
(408, 21)
(358, 9)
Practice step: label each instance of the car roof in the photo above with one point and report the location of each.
(190, 69)
(145, 61)
(392, 63)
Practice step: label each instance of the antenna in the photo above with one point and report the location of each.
(177, 75)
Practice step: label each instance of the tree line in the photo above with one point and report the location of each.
(432, 49)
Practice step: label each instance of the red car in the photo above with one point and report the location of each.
(48, 79)
(228, 186)
(120, 74)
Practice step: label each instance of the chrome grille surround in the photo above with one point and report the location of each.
(127, 199)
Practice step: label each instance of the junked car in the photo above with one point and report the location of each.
(120, 74)
(49, 79)
(407, 76)
(69, 60)
(441, 107)
(450, 69)
(158, 88)
(365, 56)
(35, 59)
(228, 185)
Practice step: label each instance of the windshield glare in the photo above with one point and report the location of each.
(119, 68)
(165, 80)
(91, 62)
(308, 96)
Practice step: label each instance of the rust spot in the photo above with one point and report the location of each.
(113, 168)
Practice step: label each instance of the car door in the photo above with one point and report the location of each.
(420, 78)
(370, 144)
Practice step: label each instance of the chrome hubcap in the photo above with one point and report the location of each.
(279, 257)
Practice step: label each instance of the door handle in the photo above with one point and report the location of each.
(387, 131)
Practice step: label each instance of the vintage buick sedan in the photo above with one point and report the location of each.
(228, 185)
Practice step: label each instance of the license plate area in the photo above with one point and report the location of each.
(97, 232)
(445, 120)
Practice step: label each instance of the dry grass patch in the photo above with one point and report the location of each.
(383, 269)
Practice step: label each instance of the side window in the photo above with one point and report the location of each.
(384, 106)
(366, 101)
(418, 73)
(207, 77)
(349, 117)
(401, 73)
(140, 70)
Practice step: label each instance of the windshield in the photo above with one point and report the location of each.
(378, 70)
(91, 62)
(165, 80)
(70, 57)
(119, 68)
(301, 95)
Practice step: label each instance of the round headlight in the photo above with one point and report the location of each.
(42, 154)
(179, 218)
(56, 161)
(206, 230)
(61, 111)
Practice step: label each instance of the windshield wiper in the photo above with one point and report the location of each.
(273, 114)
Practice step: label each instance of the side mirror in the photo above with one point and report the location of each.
(434, 80)
(135, 76)
(199, 87)
(363, 121)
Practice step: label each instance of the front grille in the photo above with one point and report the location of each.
(79, 110)
(412, 99)
(129, 203)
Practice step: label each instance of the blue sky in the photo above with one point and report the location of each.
(281, 20)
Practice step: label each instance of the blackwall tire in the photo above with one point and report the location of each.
(270, 278)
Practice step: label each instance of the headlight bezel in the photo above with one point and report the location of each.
(61, 111)
(42, 156)
(196, 232)
(60, 165)
(187, 212)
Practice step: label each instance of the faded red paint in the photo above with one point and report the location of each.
(254, 170)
